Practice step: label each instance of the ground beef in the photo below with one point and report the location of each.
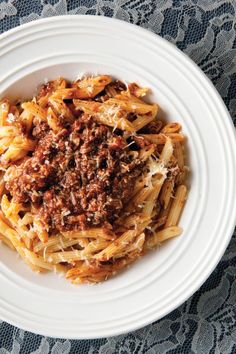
(78, 178)
(40, 129)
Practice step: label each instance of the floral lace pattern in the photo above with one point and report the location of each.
(206, 31)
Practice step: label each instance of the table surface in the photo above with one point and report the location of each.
(206, 31)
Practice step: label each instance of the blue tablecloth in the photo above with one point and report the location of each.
(206, 31)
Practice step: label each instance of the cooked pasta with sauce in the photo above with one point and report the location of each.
(91, 179)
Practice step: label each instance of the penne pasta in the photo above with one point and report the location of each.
(134, 106)
(111, 115)
(135, 247)
(163, 235)
(61, 109)
(59, 243)
(53, 121)
(90, 179)
(178, 153)
(92, 86)
(34, 109)
(166, 152)
(152, 197)
(90, 233)
(7, 242)
(18, 148)
(137, 91)
(177, 206)
(171, 128)
(167, 192)
(142, 120)
(95, 272)
(116, 246)
(160, 139)
(66, 256)
(4, 111)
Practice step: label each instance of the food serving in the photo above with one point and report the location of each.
(91, 178)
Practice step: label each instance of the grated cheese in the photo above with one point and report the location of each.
(10, 118)
(80, 76)
(4, 106)
(157, 167)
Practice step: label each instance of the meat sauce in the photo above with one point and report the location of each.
(77, 178)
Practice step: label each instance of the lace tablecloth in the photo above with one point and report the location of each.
(206, 31)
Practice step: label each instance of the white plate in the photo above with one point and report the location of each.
(163, 279)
